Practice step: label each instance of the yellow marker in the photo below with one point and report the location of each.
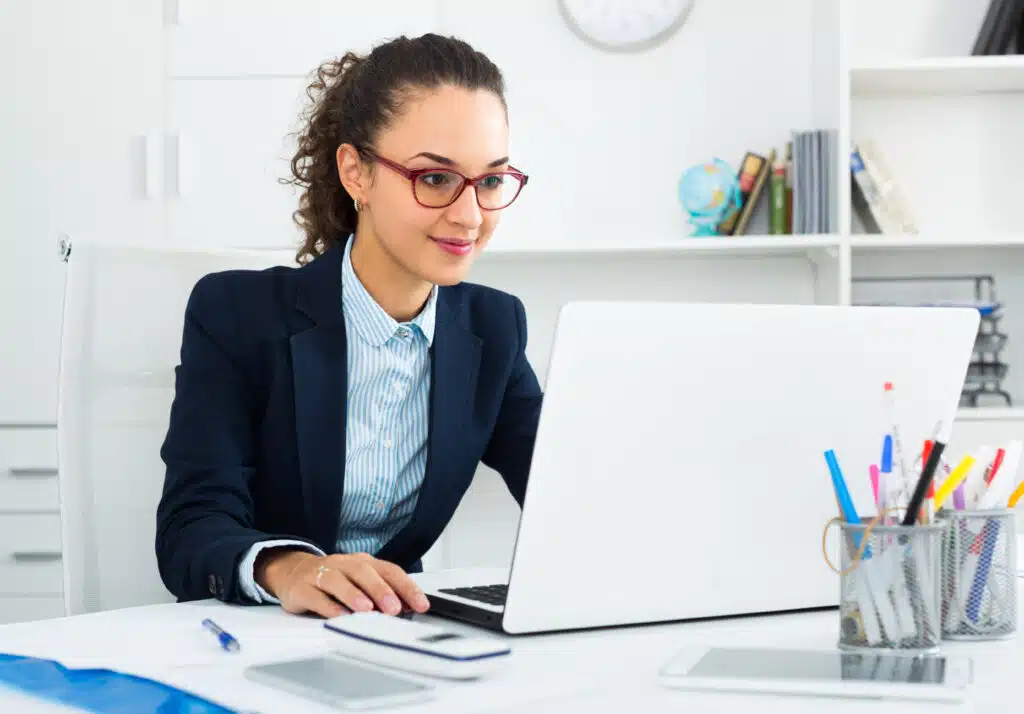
(1017, 494)
(953, 480)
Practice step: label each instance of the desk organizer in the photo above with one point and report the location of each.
(979, 575)
(890, 596)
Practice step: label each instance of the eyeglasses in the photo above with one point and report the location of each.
(438, 188)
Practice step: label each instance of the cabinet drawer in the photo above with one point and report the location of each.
(26, 609)
(28, 470)
(30, 554)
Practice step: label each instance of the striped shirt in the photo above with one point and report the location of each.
(387, 424)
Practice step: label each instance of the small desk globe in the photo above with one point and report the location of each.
(709, 192)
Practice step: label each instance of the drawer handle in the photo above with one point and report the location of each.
(32, 472)
(35, 556)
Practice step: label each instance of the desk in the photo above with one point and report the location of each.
(596, 671)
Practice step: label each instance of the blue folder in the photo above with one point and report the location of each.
(99, 690)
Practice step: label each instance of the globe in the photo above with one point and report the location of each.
(709, 192)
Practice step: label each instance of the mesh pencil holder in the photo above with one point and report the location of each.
(979, 575)
(890, 587)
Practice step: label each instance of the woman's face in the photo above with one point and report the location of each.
(447, 128)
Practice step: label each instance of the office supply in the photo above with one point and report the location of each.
(975, 484)
(873, 475)
(228, 642)
(417, 646)
(921, 489)
(954, 481)
(98, 690)
(341, 682)
(1016, 495)
(596, 412)
(903, 595)
(889, 392)
(819, 673)
(889, 484)
(979, 562)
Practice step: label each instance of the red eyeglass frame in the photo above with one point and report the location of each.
(413, 174)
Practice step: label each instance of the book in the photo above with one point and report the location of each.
(789, 187)
(755, 192)
(894, 214)
(751, 167)
(778, 194)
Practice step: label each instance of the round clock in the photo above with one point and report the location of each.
(625, 25)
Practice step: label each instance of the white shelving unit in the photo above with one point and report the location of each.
(949, 76)
(950, 127)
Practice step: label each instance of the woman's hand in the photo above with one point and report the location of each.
(305, 582)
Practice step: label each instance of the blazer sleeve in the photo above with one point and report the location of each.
(205, 515)
(511, 445)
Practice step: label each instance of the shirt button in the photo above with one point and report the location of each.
(397, 387)
(388, 443)
(403, 331)
(379, 505)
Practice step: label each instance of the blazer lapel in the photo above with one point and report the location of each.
(320, 376)
(454, 368)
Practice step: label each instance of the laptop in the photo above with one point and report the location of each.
(679, 469)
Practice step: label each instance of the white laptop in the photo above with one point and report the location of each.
(679, 468)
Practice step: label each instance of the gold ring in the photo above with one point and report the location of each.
(320, 574)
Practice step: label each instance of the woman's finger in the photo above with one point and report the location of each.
(337, 583)
(308, 598)
(402, 584)
(365, 576)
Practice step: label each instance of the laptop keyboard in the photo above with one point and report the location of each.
(490, 594)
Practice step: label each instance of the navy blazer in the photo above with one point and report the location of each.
(255, 448)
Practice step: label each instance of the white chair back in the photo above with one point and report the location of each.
(123, 315)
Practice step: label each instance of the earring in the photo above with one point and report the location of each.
(355, 201)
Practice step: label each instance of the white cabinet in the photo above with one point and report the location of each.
(31, 572)
(230, 141)
(82, 92)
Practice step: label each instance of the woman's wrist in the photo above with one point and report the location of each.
(274, 565)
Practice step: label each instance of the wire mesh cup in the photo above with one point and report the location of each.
(890, 587)
(979, 575)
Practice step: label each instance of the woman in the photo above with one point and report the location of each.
(328, 418)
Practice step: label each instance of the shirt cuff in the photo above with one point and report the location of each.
(247, 568)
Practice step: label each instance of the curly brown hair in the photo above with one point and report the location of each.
(351, 100)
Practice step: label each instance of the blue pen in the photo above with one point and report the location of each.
(228, 642)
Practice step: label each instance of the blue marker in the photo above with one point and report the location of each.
(849, 511)
(228, 642)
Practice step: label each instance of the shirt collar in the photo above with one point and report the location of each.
(370, 320)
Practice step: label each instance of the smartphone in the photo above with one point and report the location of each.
(340, 682)
(878, 675)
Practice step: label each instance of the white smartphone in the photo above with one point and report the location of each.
(341, 683)
(861, 675)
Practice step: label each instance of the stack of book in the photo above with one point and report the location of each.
(800, 186)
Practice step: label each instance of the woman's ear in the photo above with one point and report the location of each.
(352, 172)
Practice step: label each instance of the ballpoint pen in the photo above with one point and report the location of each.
(228, 642)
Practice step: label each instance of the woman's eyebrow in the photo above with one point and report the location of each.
(449, 162)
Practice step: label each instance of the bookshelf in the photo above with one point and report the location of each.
(949, 126)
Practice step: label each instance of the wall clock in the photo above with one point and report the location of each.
(625, 25)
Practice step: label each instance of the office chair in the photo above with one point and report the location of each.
(121, 335)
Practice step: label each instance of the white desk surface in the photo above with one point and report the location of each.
(610, 670)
